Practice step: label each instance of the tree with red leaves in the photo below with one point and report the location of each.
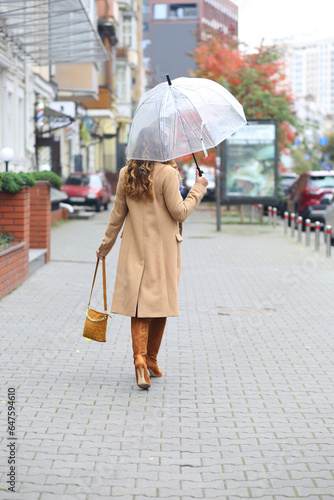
(256, 79)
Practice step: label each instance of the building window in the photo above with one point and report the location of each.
(121, 83)
(10, 120)
(175, 11)
(128, 34)
(183, 10)
(160, 11)
(20, 128)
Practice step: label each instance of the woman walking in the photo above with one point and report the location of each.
(148, 199)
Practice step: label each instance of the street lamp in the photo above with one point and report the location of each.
(6, 155)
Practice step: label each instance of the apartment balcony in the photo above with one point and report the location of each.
(121, 52)
(128, 55)
(77, 82)
(104, 101)
(107, 9)
(127, 5)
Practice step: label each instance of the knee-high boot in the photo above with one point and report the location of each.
(155, 334)
(139, 332)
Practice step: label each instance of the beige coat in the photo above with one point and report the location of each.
(149, 263)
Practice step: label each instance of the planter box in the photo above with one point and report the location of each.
(27, 216)
(14, 259)
(40, 217)
(59, 214)
(14, 267)
(15, 214)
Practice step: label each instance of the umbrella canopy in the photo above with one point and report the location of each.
(186, 116)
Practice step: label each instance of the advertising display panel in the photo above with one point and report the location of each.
(250, 164)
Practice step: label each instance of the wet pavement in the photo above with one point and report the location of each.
(245, 406)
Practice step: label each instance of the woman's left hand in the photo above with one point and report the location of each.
(99, 256)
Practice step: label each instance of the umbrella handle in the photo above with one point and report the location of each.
(200, 172)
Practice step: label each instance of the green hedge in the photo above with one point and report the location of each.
(46, 175)
(12, 182)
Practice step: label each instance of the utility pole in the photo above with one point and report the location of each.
(218, 185)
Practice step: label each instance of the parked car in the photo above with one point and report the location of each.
(88, 188)
(305, 196)
(285, 180)
(328, 200)
(209, 173)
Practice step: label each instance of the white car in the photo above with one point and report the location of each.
(209, 173)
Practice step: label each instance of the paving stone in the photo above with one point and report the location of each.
(245, 406)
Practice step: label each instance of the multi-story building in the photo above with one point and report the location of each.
(90, 89)
(34, 38)
(67, 94)
(310, 69)
(129, 68)
(171, 31)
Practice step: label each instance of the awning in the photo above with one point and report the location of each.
(54, 120)
(51, 31)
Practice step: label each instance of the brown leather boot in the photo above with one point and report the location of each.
(139, 332)
(155, 334)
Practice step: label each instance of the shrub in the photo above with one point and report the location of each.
(13, 182)
(46, 175)
(28, 179)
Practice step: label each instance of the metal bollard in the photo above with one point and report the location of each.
(317, 235)
(260, 207)
(292, 222)
(274, 216)
(300, 228)
(270, 215)
(328, 241)
(286, 222)
(308, 232)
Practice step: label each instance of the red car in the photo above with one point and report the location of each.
(88, 188)
(305, 197)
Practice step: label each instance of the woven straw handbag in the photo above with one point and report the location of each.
(96, 322)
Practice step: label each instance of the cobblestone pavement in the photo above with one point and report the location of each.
(245, 406)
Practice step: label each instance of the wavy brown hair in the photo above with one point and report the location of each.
(138, 183)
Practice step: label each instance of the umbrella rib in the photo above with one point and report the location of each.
(160, 134)
(198, 114)
(228, 100)
(184, 130)
(181, 119)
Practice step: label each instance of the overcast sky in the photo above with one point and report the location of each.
(284, 18)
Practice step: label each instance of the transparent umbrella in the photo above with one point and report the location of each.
(182, 116)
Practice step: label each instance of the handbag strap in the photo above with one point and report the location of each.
(104, 283)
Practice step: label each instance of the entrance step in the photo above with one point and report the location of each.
(81, 214)
(36, 259)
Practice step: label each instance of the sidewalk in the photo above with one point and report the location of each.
(245, 408)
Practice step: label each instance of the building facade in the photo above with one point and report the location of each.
(67, 98)
(130, 77)
(311, 73)
(171, 31)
